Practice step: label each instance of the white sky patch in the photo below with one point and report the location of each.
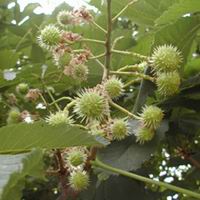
(47, 6)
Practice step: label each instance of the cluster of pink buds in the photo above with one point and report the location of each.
(74, 17)
(33, 94)
(82, 14)
(70, 37)
(77, 68)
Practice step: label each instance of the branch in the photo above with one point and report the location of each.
(128, 53)
(101, 165)
(63, 176)
(123, 110)
(61, 99)
(123, 9)
(93, 41)
(139, 75)
(108, 37)
(99, 27)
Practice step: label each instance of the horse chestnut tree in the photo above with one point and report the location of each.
(105, 91)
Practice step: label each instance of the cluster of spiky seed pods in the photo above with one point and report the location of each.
(166, 62)
(91, 107)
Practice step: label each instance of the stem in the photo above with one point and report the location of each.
(93, 41)
(123, 9)
(108, 37)
(69, 105)
(53, 100)
(98, 56)
(60, 99)
(105, 71)
(147, 77)
(129, 67)
(62, 176)
(101, 165)
(128, 53)
(123, 110)
(132, 82)
(146, 88)
(99, 27)
(116, 40)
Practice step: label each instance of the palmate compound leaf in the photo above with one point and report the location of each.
(129, 155)
(24, 137)
(15, 168)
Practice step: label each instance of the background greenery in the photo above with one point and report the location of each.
(144, 25)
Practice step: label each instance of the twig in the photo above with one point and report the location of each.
(140, 75)
(123, 110)
(132, 82)
(93, 41)
(108, 37)
(123, 9)
(99, 27)
(99, 164)
(117, 40)
(128, 53)
(61, 99)
(97, 56)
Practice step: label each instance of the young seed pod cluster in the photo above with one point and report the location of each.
(60, 117)
(166, 61)
(75, 159)
(150, 119)
(114, 87)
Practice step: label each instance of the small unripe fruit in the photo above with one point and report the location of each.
(90, 105)
(144, 135)
(49, 37)
(168, 83)
(80, 72)
(166, 58)
(14, 116)
(119, 129)
(114, 87)
(64, 18)
(76, 157)
(79, 180)
(151, 117)
(60, 117)
(22, 88)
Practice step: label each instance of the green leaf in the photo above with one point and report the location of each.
(129, 155)
(181, 34)
(15, 168)
(24, 137)
(143, 12)
(37, 54)
(178, 10)
(28, 10)
(8, 59)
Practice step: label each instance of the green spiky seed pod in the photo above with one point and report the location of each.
(22, 88)
(114, 87)
(64, 18)
(49, 37)
(168, 83)
(144, 135)
(79, 180)
(151, 117)
(76, 157)
(80, 72)
(60, 117)
(14, 116)
(166, 58)
(119, 129)
(90, 105)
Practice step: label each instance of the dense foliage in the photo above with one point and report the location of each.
(89, 95)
